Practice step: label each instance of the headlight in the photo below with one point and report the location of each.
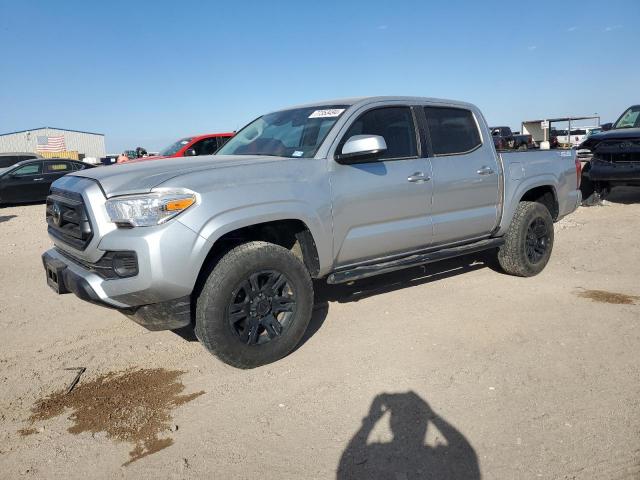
(149, 209)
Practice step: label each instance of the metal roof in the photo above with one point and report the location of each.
(52, 128)
(562, 119)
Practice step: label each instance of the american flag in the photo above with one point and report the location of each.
(51, 144)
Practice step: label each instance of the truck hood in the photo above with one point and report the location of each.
(141, 177)
(619, 134)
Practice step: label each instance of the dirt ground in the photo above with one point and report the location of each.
(453, 371)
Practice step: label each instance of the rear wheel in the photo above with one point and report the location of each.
(255, 306)
(528, 242)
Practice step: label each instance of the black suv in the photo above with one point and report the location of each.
(616, 156)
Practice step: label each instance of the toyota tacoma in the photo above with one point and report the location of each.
(338, 191)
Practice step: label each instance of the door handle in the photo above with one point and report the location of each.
(418, 177)
(38, 179)
(484, 170)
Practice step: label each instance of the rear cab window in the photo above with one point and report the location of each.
(452, 130)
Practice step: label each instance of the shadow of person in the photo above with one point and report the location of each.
(407, 456)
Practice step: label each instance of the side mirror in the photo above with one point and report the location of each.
(190, 152)
(606, 126)
(361, 149)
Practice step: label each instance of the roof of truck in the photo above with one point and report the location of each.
(366, 100)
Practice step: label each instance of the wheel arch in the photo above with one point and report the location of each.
(541, 190)
(546, 195)
(291, 233)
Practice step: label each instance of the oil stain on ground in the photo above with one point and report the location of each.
(602, 296)
(131, 406)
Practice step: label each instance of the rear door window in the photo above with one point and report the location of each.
(394, 124)
(57, 167)
(452, 131)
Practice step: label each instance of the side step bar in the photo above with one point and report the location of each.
(364, 271)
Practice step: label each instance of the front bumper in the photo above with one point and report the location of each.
(621, 172)
(64, 277)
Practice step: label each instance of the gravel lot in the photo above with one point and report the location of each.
(453, 371)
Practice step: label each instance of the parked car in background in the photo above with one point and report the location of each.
(11, 158)
(29, 180)
(191, 147)
(615, 156)
(575, 138)
(505, 139)
(338, 191)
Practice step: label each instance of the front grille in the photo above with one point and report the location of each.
(619, 151)
(67, 218)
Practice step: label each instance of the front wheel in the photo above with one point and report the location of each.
(255, 306)
(528, 242)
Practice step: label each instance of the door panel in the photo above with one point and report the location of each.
(465, 202)
(465, 175)
(378, 212)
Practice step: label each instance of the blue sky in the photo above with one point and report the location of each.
(146, 73)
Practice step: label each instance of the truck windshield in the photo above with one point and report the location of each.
(174, 147)
(629, 119)
(296, 133)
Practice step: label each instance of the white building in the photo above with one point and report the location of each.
(87, 144)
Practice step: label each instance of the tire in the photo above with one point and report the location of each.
(255, 305)
(523, 147)
(528, 242)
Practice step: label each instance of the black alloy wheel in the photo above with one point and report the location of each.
(537, 241)
(261, 307)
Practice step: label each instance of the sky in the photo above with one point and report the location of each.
(146, 73)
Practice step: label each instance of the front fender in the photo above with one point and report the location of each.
(225, 221)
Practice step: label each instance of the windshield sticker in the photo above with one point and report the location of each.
(329, 113)
(297, 153)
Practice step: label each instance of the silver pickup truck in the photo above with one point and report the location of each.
(338, 190)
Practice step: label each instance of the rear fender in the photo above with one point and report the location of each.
(514, 196)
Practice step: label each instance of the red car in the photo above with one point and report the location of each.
(191, 146)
